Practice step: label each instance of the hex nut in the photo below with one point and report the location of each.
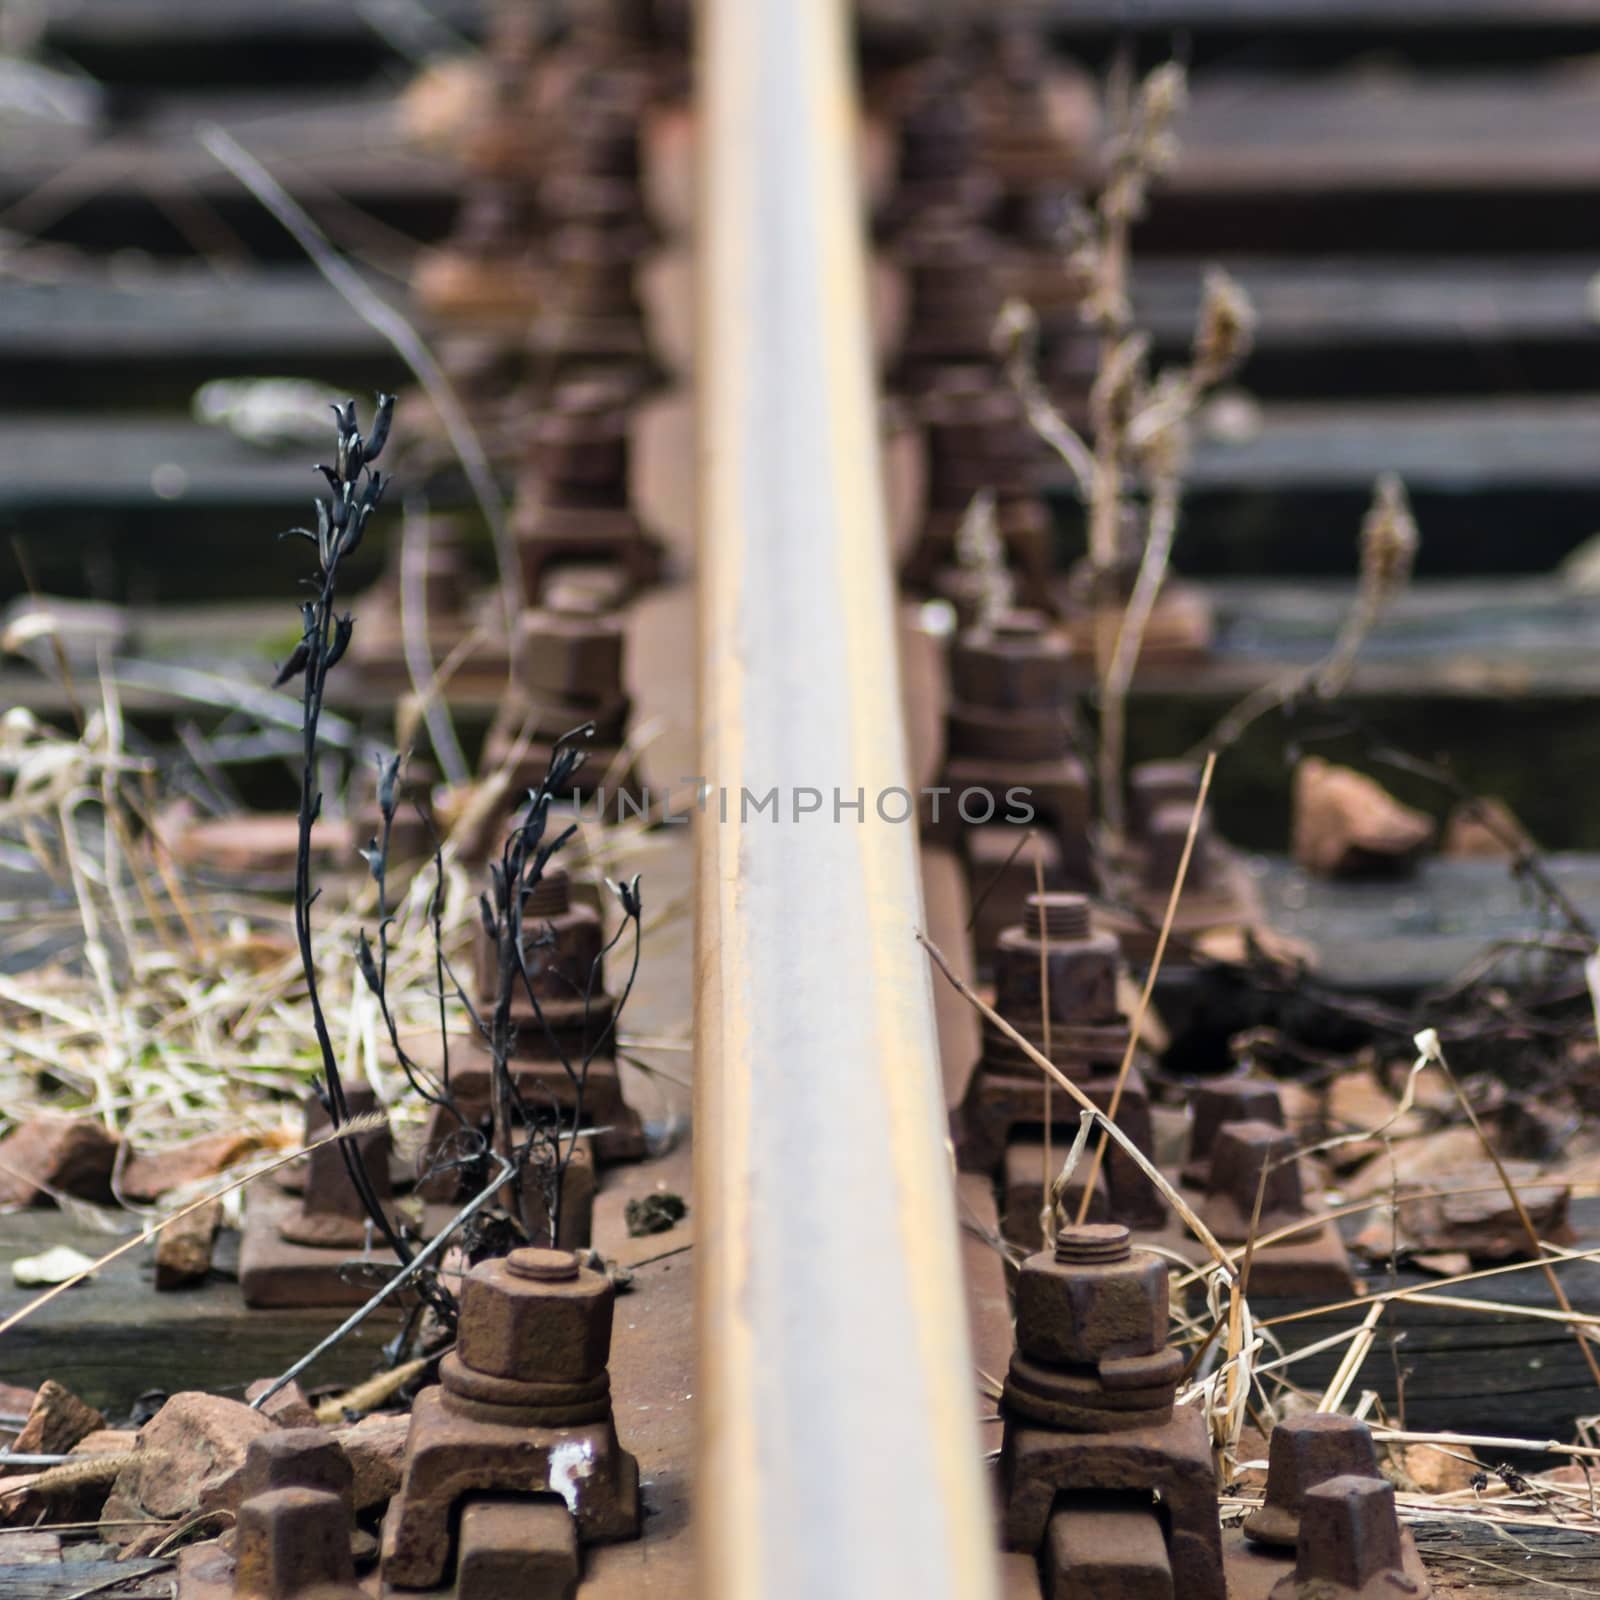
(1019, 661)
(1074, 1315)
(549, 1330)
(298, 1458)
(289, 1542)
(572, 657)
(1082, 974)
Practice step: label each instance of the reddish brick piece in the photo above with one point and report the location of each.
(57, 1420)
(73, 1155)
(193, 1451)
(183, 1250)
(288, 1406)
(147, 1175)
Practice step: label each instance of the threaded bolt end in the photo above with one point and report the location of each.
(1066, 916)
(1092, 1245)
(543, 1266)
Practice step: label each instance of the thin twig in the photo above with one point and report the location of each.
(393, 1286)
(408, 344)
(1148, 990)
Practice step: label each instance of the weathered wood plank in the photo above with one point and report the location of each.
(73, 1580)
(1388, 131)
(1444, 638)
(1414, 933)
(178, 24)
(131, 184)
(141, 463)
(1416, 300)
(1499, 485)
(1464, 1557)
(177, 312)
(115, 1337)
(1526, 1377)
(1069, 17)
(1441, 446)
(111, 317)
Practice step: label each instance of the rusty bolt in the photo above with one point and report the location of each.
(1116, 1551)
(570, 656)
(1231, 1100)
(1018, 661)
(595, 266)
(1081, 964)
(580, 440)
(978, 437)
(1164, 840)
(292, 1542)
(536, 1316)
(517, 1548)
(1303, 1452)
(1091, 1299)
(937, 138)
(298, 1458)
(562, 945)
(494, 220)
(952, 268)
(1240, 1153)
(989, 733)
(1350, 1538)
(331, 1213)
(1155, 784)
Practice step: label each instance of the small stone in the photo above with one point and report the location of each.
(376, 1447)
(183, 1248)
(71, 1155)
(1484, 830)
(193, 1451)
(51, 1267)
(1345, 825)
(57, 1421)
(148, 1175)
(1413, 1161)
(288, 1408)
(1437, 1471)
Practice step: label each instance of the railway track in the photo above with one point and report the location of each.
(846, 1290)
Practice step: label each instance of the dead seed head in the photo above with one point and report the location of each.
(979, 550)
(1016, 331)
(1225, 331)
(1163, 96)
(1388, 541)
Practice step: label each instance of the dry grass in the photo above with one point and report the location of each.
(170, 1007)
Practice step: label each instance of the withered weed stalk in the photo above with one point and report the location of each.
(543, 1138)
(1129, 473)
(355, 489)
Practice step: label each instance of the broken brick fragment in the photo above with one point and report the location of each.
(65, 1154)
(150, 1174)
(191, 1454)
(288, 1406)
(376, 1447)
(1345, 825)
(183, 1248)
(57, 1421)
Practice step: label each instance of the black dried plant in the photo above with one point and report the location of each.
(354, 490)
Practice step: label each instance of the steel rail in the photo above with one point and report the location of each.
(838, 1449)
